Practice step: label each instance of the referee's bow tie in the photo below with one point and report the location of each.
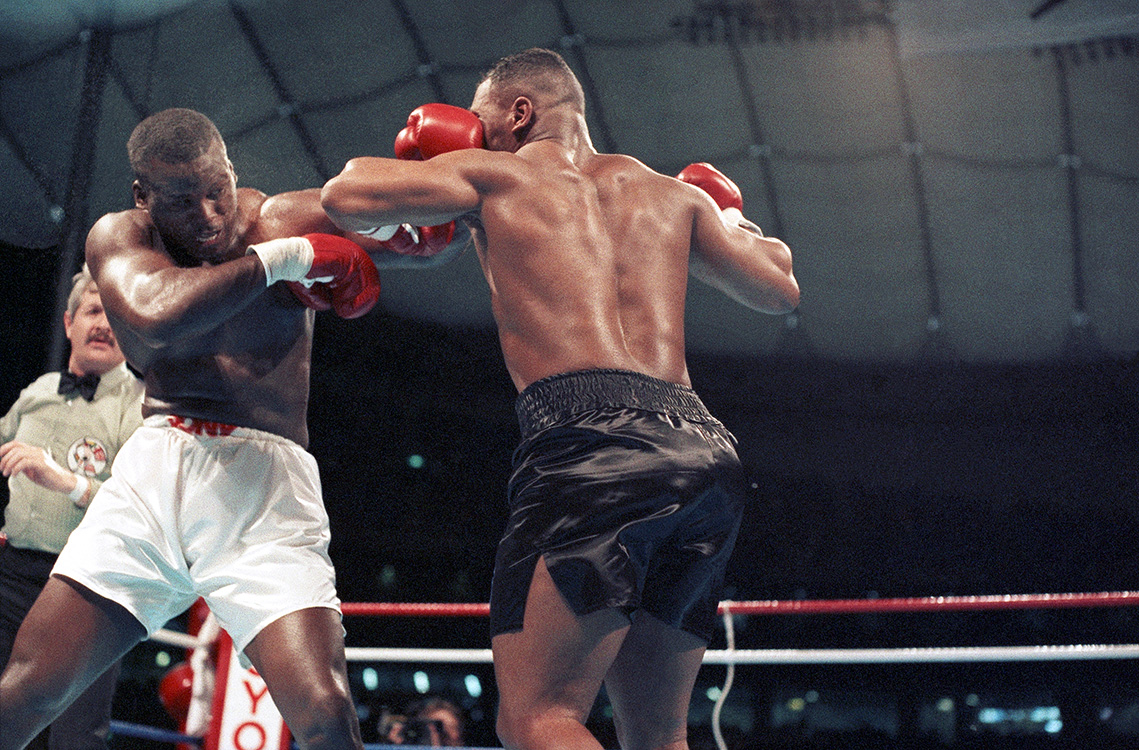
(85, 386)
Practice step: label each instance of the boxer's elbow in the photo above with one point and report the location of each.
(157, 322)
(352, 197)
(776, 294)
(785, 296)
(151, 328)
(162, 311)
(782, 287)
(336, 198)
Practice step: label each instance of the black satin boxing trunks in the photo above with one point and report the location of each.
(630, 490)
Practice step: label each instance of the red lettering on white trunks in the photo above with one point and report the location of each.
(200, 426)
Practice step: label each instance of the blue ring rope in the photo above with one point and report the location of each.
(152, 733)
(143, 732)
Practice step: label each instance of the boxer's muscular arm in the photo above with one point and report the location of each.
(729, 252)
(159, 301)
(429, 184)
(299, 212)
(751, 269)
(291, 214)
(373, 191)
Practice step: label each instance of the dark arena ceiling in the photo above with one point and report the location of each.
(956, 180)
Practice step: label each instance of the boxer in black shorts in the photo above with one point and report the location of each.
(625, 498)
(631, 492)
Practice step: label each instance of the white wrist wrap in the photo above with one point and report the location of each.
(733, 217)
(284, 259)
(383, 234)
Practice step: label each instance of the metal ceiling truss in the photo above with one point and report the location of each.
(730, 23)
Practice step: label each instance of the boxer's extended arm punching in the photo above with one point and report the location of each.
(373, 196)
(730, 253)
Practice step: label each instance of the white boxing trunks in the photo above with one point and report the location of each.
(193, 508)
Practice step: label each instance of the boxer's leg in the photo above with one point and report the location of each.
(86, 723)
(70, 637)
(650, 685)
(301, 658)
(550, 672)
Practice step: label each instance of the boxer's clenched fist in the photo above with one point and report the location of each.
(324, 271)
(434, 129)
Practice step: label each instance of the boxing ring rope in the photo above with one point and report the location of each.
(154, 734)
(946, 654)
(732, 656)
(806, 606)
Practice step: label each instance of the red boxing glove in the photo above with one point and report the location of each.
(342, 277)
(317, 297)
(431, 240)
(713, 182)
(434, 129)
(175, 691)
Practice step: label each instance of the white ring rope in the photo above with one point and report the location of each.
(732, 656)
(949, 654)
(729, 656)
(940, 655)
(174, 638)
(455, 655)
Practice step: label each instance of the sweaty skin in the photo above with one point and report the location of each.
(586, 255)
(587, 258)
(211, 341)
(192, 312)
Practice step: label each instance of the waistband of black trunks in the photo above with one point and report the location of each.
(550, 401)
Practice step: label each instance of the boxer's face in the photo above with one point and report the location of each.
(193, 204)
(497, 133)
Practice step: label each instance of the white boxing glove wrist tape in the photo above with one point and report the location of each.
(284, 259)
(383, 234)
(734, 217)
(731, 215)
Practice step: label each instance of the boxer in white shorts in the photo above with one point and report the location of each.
(154, 544)
(229, 509)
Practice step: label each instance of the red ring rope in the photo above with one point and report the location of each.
(414, 609)
(804, 607)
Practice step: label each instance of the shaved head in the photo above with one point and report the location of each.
(540, 74)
